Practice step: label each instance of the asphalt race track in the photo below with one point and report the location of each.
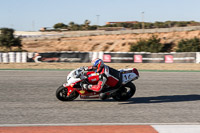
(28, 97)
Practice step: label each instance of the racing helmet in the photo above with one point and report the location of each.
(97, 64)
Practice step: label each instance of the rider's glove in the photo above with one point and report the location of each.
(89, 68)
(84, 68)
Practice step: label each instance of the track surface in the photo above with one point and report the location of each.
(28, 97)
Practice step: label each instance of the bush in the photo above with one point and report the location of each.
(151, 45)
(189, 45)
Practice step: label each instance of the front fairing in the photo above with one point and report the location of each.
(72, 81)
(71, 78)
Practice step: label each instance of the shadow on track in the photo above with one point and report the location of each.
(163, 99)
(148, 100)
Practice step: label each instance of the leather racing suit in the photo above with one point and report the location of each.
(108, 78)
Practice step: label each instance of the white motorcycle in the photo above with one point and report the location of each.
(73, 88)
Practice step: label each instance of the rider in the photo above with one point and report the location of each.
(108, 77)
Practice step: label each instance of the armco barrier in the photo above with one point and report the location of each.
(189, 57)
(145, 57)
(112, 57)
(120, 57)
(62, 57)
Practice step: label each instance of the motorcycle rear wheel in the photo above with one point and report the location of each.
(125, 92)
(61, 94)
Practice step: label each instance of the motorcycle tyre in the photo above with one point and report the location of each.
(119, 97)
(71, 97)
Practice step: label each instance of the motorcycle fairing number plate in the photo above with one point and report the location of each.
(126, 77)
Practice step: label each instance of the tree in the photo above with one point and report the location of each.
(60, 26)
(71, 24)
(8, 40)
(86, 24)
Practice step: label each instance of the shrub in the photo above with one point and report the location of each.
(151, 45)
(189, 45)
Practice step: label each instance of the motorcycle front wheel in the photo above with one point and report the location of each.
(61, 94)
(125, 92)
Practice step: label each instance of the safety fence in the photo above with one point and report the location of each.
(110, 57)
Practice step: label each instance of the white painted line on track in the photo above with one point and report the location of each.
(177, 128)
(100, 124)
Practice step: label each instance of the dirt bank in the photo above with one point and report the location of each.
(113, 43)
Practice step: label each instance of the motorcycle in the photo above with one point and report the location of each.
(73, 88)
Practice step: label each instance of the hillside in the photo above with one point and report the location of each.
(112, 43)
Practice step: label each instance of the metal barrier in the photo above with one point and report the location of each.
(145, 57)
(112, 57)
